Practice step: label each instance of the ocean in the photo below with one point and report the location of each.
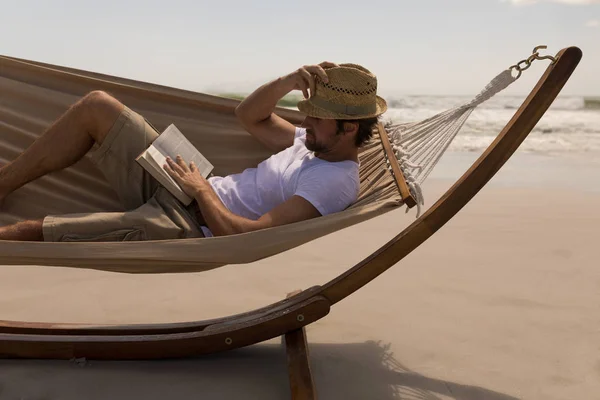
(570, 127)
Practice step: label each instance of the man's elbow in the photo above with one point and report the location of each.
(244, 117)
(225, 231)
(239, 109)
(240, 112)
(235, 229)
(248, 116)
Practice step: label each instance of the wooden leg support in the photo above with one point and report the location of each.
(301, 380)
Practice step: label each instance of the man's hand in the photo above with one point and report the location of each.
(304, 77)
(188, 177)
(257, 114)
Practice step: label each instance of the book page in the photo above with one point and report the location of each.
(172, 142)
(160, 160)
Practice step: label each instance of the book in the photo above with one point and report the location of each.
(170, 143)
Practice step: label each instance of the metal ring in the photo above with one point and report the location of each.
(527, 64)
(300, 318)
(228, 341)
(518, 71)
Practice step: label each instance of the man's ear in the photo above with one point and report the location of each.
(350, 127)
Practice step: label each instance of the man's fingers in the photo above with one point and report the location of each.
(307, 76)
(193, 166)
(174, 166)
(171, 173)
(318, 70)
(327, 64)
(182, 164)
(310, 82)
(301, 83)
(304, 87)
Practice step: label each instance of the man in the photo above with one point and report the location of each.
(314, 171)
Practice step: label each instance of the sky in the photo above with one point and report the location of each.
(424, 47)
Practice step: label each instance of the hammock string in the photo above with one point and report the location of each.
(419, 146)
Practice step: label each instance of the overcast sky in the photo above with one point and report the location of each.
(414, 47)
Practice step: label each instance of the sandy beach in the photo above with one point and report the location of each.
(500, 304)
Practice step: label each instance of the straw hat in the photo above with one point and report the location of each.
(351, 93)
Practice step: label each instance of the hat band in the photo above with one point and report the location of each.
(344, 108)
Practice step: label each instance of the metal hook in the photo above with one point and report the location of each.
(527, 62)
(537, 56)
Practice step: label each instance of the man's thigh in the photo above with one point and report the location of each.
(130, 135)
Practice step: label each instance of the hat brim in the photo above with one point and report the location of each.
(308, 108)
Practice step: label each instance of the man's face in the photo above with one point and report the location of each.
(321, 134)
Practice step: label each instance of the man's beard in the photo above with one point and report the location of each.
(313, 145)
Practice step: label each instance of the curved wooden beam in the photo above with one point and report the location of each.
(212, 339)
(45, 328)
(486, 166)
(173, 340)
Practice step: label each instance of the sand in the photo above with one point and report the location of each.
(502, 303)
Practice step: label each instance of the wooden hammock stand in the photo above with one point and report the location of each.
(288, 317)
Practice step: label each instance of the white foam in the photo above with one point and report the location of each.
(567, 127)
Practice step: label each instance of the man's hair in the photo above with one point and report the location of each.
(365, 129)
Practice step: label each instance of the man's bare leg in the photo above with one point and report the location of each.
(63, 144)
(26, 230)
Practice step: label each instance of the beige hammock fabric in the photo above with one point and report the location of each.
(33, 95)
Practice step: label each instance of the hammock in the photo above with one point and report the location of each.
(393, 166)
(289, 316)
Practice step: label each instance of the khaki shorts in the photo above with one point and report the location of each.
(153, 213)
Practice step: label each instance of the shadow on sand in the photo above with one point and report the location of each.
(341, 371)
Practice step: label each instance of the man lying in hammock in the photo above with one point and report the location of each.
(313, 172)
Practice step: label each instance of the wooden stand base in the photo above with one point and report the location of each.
(301, 381)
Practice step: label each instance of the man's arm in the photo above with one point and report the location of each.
(222, 222)
(256, 112)
(218, 218)
(256, 115)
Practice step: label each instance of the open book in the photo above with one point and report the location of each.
(170, 143)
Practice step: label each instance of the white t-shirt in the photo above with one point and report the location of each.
(329, 186)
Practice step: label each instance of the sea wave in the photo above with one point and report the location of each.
(497, 102)
(566, 127)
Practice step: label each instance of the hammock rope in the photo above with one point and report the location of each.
(420, 146)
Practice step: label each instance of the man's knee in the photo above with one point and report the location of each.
(100, 111)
